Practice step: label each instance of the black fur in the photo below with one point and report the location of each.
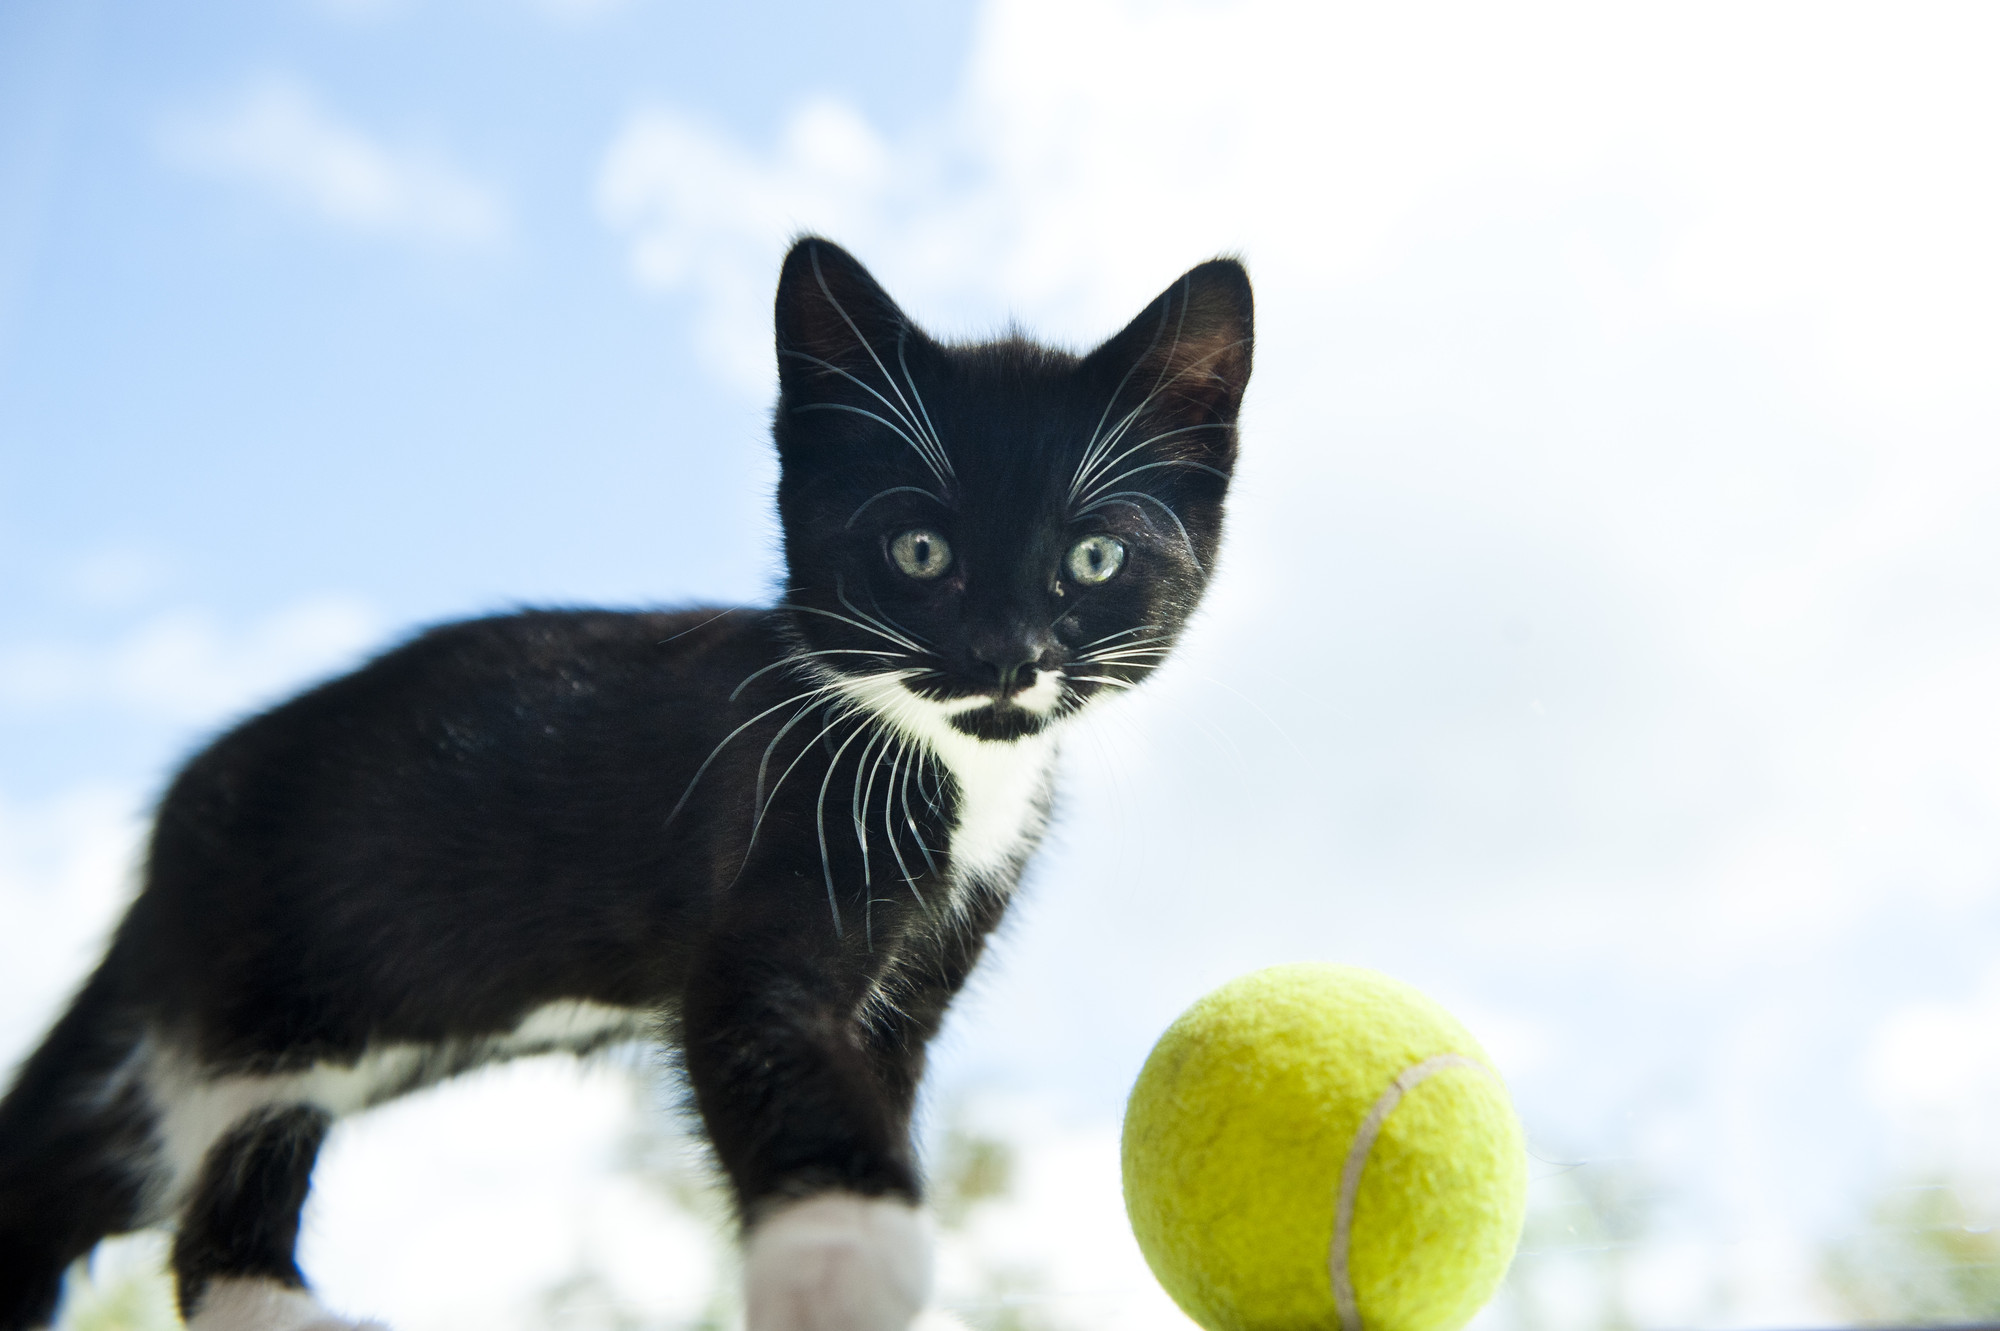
(242, 1218)
(688, 815)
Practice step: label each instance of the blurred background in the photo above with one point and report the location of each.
(1608, 639)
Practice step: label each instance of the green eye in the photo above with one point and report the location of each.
(1096, 559)
(920, 553)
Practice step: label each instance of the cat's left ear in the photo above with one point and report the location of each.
(1188, 353)
(832, 316)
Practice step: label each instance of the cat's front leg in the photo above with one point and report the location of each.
(816, 1145)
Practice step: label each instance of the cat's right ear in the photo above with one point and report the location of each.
(1188, 351)
(833, 318)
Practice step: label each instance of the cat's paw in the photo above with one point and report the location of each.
(235, 1304)
(838, 1262)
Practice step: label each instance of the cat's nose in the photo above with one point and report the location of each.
(1012, 656)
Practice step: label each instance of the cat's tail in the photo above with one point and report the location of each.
(76, 1142)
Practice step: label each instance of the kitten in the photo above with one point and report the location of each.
(774, 839)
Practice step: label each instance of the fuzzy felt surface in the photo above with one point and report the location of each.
(1240, 1126)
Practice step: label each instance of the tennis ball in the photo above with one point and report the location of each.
(1318, 1146)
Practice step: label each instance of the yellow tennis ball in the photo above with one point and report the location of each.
(1318, 1146)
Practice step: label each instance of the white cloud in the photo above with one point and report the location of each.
(1934, 1068)
(703, 213)
(185, 666)
(279, 137)
(66, 867)
(1810, 166)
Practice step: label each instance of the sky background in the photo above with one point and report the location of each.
(1606, 642)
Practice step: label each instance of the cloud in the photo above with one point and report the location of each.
(279, 138)
(701, 212)
(65, 869)
(185, 666)
(1807, 167)
(1934, 1068)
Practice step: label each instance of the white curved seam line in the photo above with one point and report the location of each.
(1357, 1159)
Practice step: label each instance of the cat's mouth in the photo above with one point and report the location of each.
(1008, 716)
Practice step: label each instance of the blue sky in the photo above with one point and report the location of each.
(240, 391)
(1605, 641)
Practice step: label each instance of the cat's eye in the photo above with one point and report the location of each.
(1096, 559)
(920, 553)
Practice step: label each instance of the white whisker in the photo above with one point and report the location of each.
(875, 416)
(876, 630)
(902, 359)
(892, 490)
(714, 752)
(1109, 462)
(1119, 479)
(866, 346)
(819, 820)
(1141, 628)
(793, 658)
(902, 635)
(1132, 497)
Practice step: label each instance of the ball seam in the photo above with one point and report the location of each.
(1357, 1160)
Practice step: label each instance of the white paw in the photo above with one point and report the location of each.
(838, 1262)
(265, 1305)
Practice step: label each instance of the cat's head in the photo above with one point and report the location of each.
(990, 535)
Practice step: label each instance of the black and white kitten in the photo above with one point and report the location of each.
(774, 839)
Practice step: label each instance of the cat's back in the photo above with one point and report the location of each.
(533, 678)
(535, 725)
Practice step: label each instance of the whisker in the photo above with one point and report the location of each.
(819, 820)
(866, 346)
(903, 422)
(763, 807)
(894, 490)
(902, 359)
(877, 630)
(916, 834)
(1107, 658)
(859, 804)
(888, 818)
(1164, 383)
(884, 617)
(1125, 423)
(1120, 634)
(910, 640)
(713, 753)
(1131, 497)
(1138, 644)
(1109, 461)
(1118, 432)
(1130, 370)
(704, 624)
(794, 658)
(846, 708)
(929, 769)
(1119, 479)
(873, 416)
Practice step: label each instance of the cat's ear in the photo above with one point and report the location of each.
(832, 316)
(1188, 353)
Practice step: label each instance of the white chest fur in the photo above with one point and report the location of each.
(1002, 792)
(1002, 787)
